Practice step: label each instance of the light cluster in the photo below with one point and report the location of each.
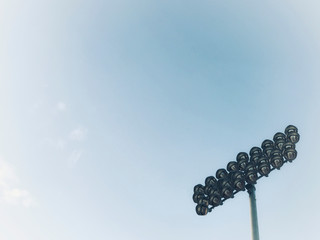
(246, 170)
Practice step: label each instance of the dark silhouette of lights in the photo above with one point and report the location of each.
(246, 170)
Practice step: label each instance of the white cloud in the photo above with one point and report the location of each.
(74, 157)
(17, 196)
(61, 144)
(74, 139)
(78, 134)
(9, 192)
(7, 175)
(61, 106)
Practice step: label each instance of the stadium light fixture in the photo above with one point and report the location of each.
(245, 172)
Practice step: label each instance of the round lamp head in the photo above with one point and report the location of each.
(238, 181)
(242, 165)
(242, 156)
(251, 177)
(237, 175)
(214, 200)
(290, 154)
(267, 144)
(201, 210)
(211, 181)
(232, 166)
(197, 197)
(264, 169)
(208, 189)
(224, 182)
(255, 158)
(198, 189)
(251, 173)
(288, 145)
(293, 137)
(279, 144)
(242, 160)
(267, 151)
(204, 202)
(250, 167)
(279, 136)
(216, 192)
(221, 173)
(225, 188)
(239, 184)
(276, 152)
(277, 162)
(227, 193)
(290, 129)
(255, 151)
(262, 160)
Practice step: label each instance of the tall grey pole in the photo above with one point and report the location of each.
(253, 209)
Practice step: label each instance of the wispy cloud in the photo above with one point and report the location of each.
(70, 145)
(78, 134)
(9, 192)
(74, 157)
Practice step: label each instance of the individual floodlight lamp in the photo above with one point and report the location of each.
(215, 200)
(242, 160)
(251, 173)
(276, 159)
(198, 189)
(210, 185)
(279, 140)
(263, 166)
(221, 173)
(255, 151)
(267, 147)
(211, 181)
(197, 197)
(204, 202)
(238, 181)
(214, 197)
(289, 152)
(208, 189)
(293, 137)
(201, 209)
(232, 166)
(225, 188)
(292, 133)
(291, 129)
(254, 159)
(288, 145)
(199, 193)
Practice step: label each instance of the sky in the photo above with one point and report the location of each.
(112, 111)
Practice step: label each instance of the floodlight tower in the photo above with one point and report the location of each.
(244, 173)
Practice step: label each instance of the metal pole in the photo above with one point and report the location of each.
(253, 209)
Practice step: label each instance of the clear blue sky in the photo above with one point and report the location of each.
(111, 111)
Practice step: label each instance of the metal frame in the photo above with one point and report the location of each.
(236, 191)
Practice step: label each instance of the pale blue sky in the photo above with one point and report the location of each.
(111, 111)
